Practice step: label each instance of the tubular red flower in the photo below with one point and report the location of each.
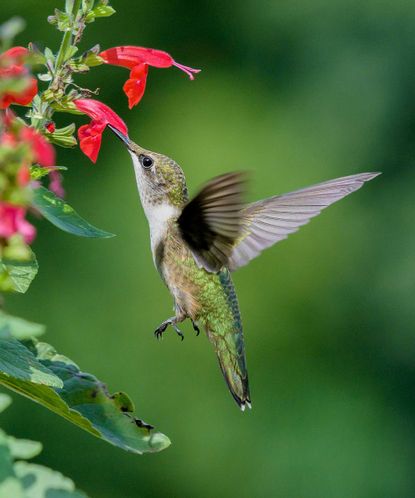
(136, 58)
(90, 135)
(12, 221)
(12, 67)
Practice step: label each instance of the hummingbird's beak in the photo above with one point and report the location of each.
(121, 136)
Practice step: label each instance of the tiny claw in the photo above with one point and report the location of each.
(159, 331)
(196, 328)
(178, 332)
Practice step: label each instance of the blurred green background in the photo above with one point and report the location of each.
(296, 92)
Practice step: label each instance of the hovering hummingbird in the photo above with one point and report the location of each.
(197, 243)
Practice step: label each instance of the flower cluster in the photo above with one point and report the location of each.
(27, 138)
(21, 147)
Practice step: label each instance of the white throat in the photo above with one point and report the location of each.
(158, 215)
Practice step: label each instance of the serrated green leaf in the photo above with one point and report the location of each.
(86, 402)
(19, 328)
(18, 275)
(62, 215)
(18, 363)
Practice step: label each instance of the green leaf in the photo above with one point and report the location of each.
(86, 402)
(23, 448)
(23, 480)
(62, 215)
(9, 483)
(5, 401)
(103, 11)
(19, 328)
(41, 482)
(38, 172)
(18, 363)
(17, 275)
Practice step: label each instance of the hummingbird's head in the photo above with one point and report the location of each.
(160, 180)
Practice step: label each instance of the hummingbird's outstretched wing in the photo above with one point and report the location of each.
(211, 222)
(268, 221)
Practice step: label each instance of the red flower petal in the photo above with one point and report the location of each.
(11, 67)
(101, 112)
(129, 56)
(17, 53)
(43, 151)
(135, 86)
(12, 221)
(90, 137)
(23, 175)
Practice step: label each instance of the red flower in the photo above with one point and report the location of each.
(90, 135)
(138, 59)
(43, 152)
(12, 67)
(12, 221)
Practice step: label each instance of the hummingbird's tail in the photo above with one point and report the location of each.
(227, 338)
(236, 378)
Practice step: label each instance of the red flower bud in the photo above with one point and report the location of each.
(50, 126)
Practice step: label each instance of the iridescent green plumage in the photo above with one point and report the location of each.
(209, 299)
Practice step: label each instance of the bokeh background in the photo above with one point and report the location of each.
(296, 92)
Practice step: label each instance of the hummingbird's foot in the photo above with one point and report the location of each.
(162, 328)
(196, 328)
(178, 331)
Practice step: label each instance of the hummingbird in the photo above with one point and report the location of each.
(196, 244)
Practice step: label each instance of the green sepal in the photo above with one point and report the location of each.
(103, 11)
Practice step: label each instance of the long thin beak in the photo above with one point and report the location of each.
(121, 136)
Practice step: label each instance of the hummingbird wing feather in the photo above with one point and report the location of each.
(266, 222)
(211, 222)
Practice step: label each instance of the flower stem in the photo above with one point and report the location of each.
(67, 37)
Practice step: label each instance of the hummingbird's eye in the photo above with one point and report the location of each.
(146, 161)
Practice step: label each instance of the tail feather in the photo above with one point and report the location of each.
(231, 356)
